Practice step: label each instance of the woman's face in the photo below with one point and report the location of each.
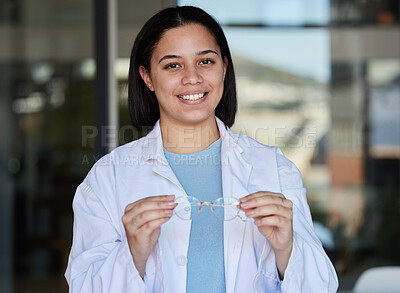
(187, 75)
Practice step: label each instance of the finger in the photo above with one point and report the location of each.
(153, 205)
(284, 204)
(151, 198)
(273, 221)
(259, 194)
(154, 210)
(148, 204)
(269, 210)
(141, 220)
(287, 203)
(148, 228)
(148, 211)
(152, 215)
(158, 198)
(274, 200)
(264, 199)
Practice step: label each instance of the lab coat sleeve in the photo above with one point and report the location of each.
(100, 260)
(309, 269)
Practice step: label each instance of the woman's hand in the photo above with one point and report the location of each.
(142, 221)
(273, 215)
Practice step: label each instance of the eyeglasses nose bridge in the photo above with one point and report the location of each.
(204, 203)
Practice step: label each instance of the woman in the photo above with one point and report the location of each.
(132, 232)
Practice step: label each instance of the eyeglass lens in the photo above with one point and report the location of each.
(188, 207)
(224, 208)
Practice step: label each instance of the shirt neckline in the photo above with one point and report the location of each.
(211, 149)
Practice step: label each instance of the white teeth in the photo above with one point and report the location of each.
(192, 97)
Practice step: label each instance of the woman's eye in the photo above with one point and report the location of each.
(206, 62)
(172, 66)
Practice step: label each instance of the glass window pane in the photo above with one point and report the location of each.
(271, 12)
(329, 98)
(46, 89)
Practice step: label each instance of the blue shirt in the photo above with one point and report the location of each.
(200, 176)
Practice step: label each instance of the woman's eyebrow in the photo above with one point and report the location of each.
(207, 52)
(169, 57)
(179, 57)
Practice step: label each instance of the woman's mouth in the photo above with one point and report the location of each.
(192, 97)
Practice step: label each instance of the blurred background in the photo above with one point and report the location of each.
(318, 78)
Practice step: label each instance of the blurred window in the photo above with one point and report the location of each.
(46, 105)
(314, 79)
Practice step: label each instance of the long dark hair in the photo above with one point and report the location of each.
(143, 104)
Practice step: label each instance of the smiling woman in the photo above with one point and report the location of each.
(126, 237)
(187, 76)
(177, 52)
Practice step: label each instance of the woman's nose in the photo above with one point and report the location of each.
(191, 76)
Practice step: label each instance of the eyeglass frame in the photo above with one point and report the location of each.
(208, 203)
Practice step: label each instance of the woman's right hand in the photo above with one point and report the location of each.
(142, 221)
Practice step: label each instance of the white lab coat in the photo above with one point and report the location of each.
(100, 260)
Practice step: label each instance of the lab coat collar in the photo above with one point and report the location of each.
(153, 146)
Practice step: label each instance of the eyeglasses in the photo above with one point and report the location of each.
(224, 208)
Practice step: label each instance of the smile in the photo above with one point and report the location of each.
(192, 97)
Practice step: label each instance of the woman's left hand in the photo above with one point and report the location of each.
(273, 215)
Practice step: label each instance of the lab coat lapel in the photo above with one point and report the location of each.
(153, 152)
(174, 237)
(235, 177)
